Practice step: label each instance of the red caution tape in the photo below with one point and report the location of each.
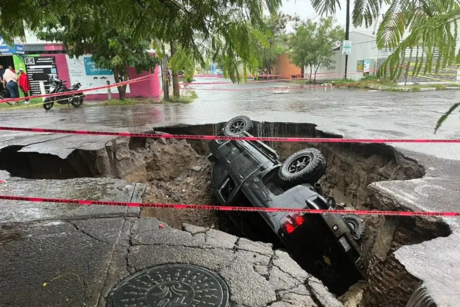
(228, 138)
(224, 208)
(140, 79)
(269, 89)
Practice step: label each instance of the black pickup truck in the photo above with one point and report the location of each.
(249, 173)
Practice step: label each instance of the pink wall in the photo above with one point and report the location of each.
(149, 88)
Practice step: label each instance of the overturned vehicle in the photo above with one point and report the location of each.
(249, 173)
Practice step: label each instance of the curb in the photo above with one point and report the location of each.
(400, 89)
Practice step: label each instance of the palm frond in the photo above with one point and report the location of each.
(326, 7)
(366, 11)
(429, 25)
(444, 117)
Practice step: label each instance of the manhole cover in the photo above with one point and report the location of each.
(171, 285)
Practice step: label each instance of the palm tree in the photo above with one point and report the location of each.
(428, 25)
(364, 11)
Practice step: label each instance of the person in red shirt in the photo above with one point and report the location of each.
(23, 83)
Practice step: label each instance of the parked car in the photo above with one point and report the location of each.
(249, 173)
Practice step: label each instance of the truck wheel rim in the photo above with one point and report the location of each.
(299, 164)
(237, 126)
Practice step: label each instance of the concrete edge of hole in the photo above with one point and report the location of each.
(413, 173)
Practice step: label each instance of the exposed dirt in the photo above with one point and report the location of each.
(175, 173)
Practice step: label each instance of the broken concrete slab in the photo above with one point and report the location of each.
(82, 189)
(435, 263)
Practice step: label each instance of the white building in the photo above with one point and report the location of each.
(362, 59)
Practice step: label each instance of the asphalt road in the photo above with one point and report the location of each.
(351, 113)
(102, 255)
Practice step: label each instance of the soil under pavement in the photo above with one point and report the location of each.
(174, 173)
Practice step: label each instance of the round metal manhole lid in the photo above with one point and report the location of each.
(171, 285)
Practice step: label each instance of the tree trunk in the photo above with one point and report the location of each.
(316, 69)
(121, 74)
(310, 72)
(176, 89)
(166, 76)
(302, 72)
(122, 92)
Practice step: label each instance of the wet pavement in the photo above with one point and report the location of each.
(85, 253)
(351, 113)
(75, 255)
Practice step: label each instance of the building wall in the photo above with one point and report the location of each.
(149, 88)
(285, 68)
(363, 47)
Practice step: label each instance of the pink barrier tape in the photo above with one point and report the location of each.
(140, 79)
(224, 208)
(229, 138)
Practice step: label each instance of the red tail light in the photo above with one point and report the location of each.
(299, 220)
(289, 227)
(292, 223)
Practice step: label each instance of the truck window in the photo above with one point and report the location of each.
(227, 188)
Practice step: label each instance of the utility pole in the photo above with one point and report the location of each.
(347, 34)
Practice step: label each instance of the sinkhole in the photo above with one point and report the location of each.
(178, 171)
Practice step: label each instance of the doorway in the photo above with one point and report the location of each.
(6, 60)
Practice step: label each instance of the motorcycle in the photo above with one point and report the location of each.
(57, 86)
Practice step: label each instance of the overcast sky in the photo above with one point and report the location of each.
(304, 10)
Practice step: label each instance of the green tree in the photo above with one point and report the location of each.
(112, 46)
(218, 31)
(226, 31)
(277, 41)
(313, 43)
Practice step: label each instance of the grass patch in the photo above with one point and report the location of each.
(125, 102)
(38, 103)
(343, 82)
(393, 89)
(181, 99)
(440, 87)
(34, 104)
(370, 82)
(192, 95)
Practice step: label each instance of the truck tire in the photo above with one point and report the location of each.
(305, 166)
(237, 125)
(356, 225)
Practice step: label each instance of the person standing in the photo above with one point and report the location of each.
(10, 81)
(11, 68)
(23, 83)
(2, 72)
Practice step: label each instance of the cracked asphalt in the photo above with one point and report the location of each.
(70, 255)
